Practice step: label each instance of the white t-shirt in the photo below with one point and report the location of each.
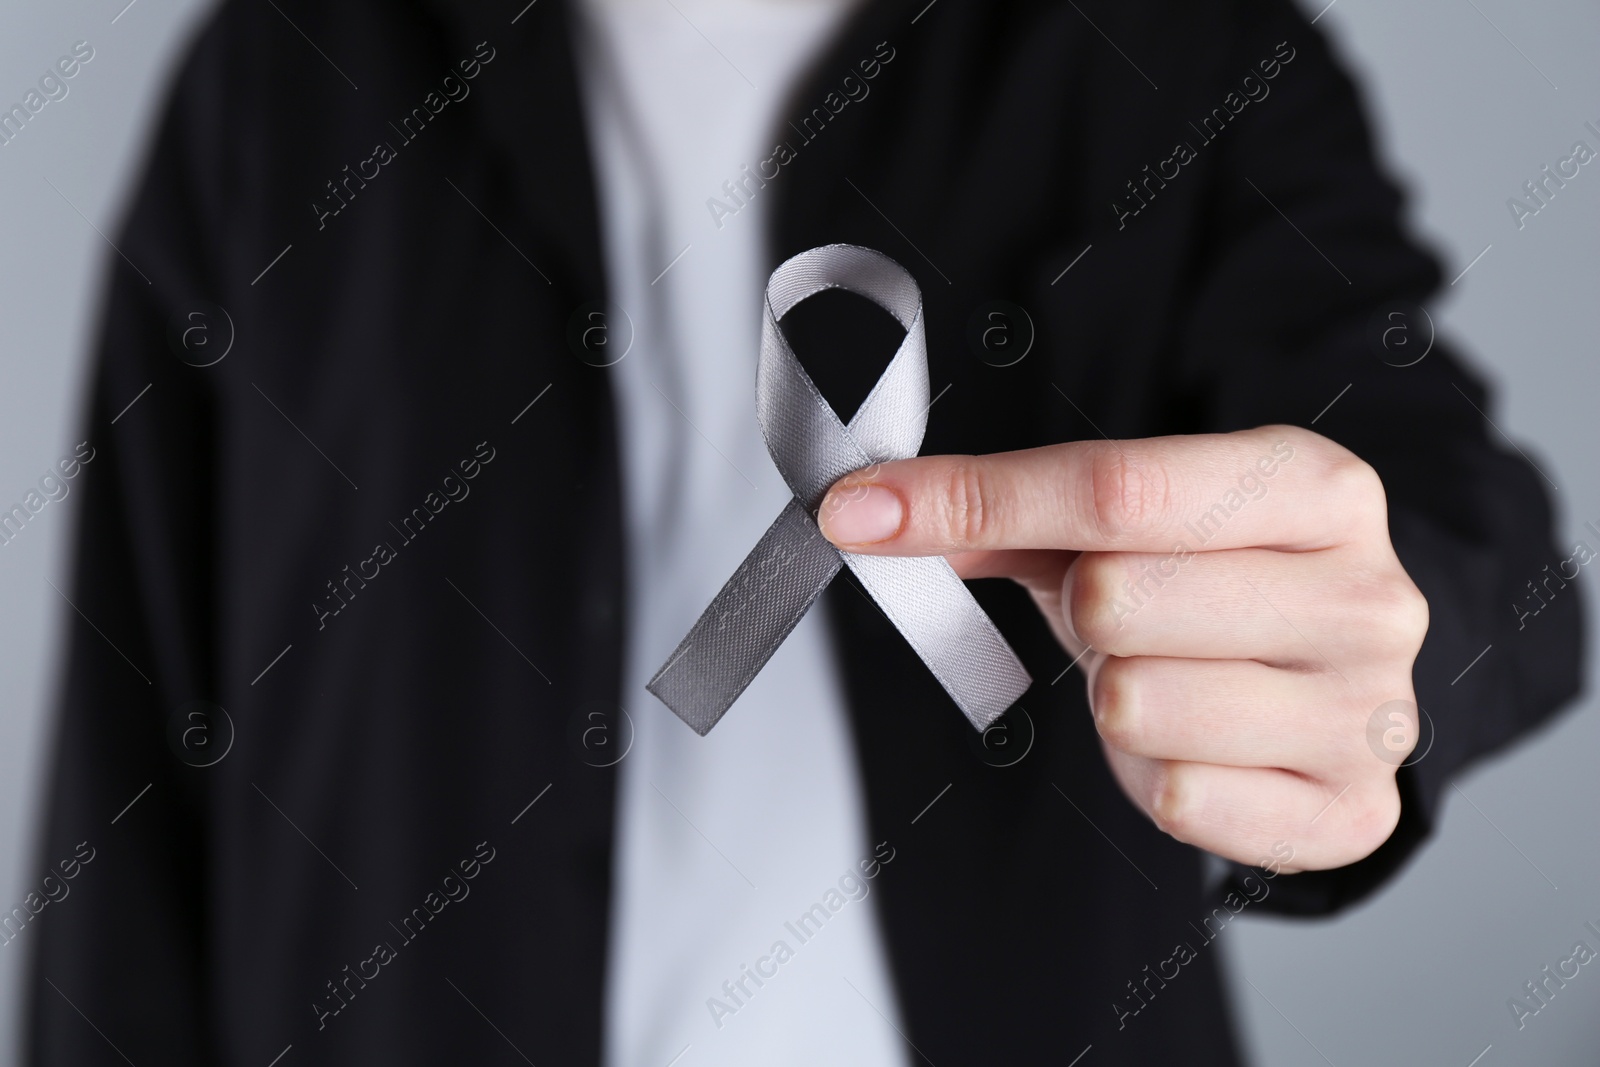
(724, 842)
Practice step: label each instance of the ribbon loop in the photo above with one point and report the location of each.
(793, 563)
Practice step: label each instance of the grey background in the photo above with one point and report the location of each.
(1469, 97)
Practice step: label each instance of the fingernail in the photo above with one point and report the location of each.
(860, 515)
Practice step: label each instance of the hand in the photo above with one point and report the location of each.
(1239, 611)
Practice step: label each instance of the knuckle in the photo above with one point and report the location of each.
(1115, 704)
(967, 516)
(1092, 607)
(1175, 807)
(1417, 613)
(1303, 441)
(1299, 437)
(1373, 817)
(1407, 610)
(1358, 489)
(1126, 495)
(1395, 614)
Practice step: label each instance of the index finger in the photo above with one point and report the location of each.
(1274, 487)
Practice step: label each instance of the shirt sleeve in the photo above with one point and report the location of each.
(119, 960)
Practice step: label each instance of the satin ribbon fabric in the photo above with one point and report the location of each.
(793, 563)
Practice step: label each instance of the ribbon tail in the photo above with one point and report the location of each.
(747, 620)
(939, 618)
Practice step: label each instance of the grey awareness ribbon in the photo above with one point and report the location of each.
(793, 563)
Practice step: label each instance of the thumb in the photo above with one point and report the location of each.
(940, 505)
